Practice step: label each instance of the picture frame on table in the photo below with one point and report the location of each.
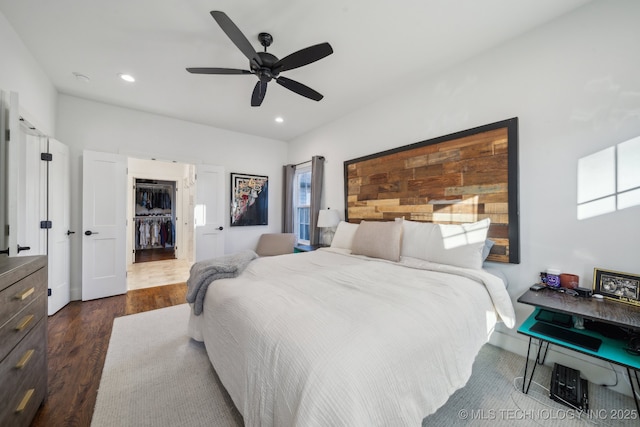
(618, 286)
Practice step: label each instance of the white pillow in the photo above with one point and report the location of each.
(416, 237)
(459, 245)
(343, 237)
(378, 240)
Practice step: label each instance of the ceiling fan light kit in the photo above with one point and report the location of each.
(264, 65)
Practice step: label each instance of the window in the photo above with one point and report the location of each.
(302, 203)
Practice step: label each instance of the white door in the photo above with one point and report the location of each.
(209, 211)
(59, 235)
(32, 194)
(26, 187)
(104, 270)
(12, 133)
(4, 197)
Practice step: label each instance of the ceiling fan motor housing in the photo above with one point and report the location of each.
(265, 72)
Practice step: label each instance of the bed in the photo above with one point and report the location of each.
(369, 331)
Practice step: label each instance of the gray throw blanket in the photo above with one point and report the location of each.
(204, 272)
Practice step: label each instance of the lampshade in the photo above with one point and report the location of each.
(328, 218)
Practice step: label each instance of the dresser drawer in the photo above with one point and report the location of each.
(20, 324)
(24, 382)
(21, 294)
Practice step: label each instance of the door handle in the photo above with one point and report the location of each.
(6, 251)
(89, 233)
(221, 228)
(23, 248)
(70, 232)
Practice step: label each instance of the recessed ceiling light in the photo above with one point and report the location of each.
(127, 78)
(279, 120)
(81, 77)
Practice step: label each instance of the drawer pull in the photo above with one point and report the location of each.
(25, 400)
(25, 359)
(26, 320)
(25, 294)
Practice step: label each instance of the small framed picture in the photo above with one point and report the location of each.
(623, 287)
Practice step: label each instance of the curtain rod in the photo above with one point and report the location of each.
(308, 161)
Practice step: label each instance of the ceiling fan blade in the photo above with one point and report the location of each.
(217, 71)
(259, 91)
(303, 57)
(236, 36)
(299, 88)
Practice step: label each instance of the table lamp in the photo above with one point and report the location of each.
(327, 220)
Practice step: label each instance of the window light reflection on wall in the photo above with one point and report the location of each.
(200, 215)
(609, 180)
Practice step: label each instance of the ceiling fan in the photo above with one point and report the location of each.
(264, 65)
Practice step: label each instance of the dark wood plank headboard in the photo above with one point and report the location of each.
(458, 178)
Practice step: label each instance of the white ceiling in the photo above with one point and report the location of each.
(377, 45)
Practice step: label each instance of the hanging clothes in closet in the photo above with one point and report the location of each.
(155, 218)
(154, 233)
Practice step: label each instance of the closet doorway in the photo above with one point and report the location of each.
(160, 208)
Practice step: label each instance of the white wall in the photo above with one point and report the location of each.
(575, 86)
(22, 74)
(88, 125)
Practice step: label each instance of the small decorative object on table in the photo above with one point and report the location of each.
(553, 278)
(624, 287)
(569, 281)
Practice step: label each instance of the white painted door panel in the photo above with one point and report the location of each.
(58, 239)
(32, 194)
(209, 211)
(104, 225)
(4, 173)
(11, 123)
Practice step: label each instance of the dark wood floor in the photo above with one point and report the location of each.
(157, 254)
(78, 340)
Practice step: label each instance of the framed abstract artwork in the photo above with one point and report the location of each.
(249, 199)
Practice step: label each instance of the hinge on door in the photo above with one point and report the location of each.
(49, 292)
(8, 135)
(46, 224)
(47, 157)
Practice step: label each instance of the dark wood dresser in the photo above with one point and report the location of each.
(23, 338)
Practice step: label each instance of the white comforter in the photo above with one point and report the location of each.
(328, 339)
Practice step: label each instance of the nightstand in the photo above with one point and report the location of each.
(580, 340)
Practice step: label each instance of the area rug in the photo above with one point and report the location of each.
(154, 375)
